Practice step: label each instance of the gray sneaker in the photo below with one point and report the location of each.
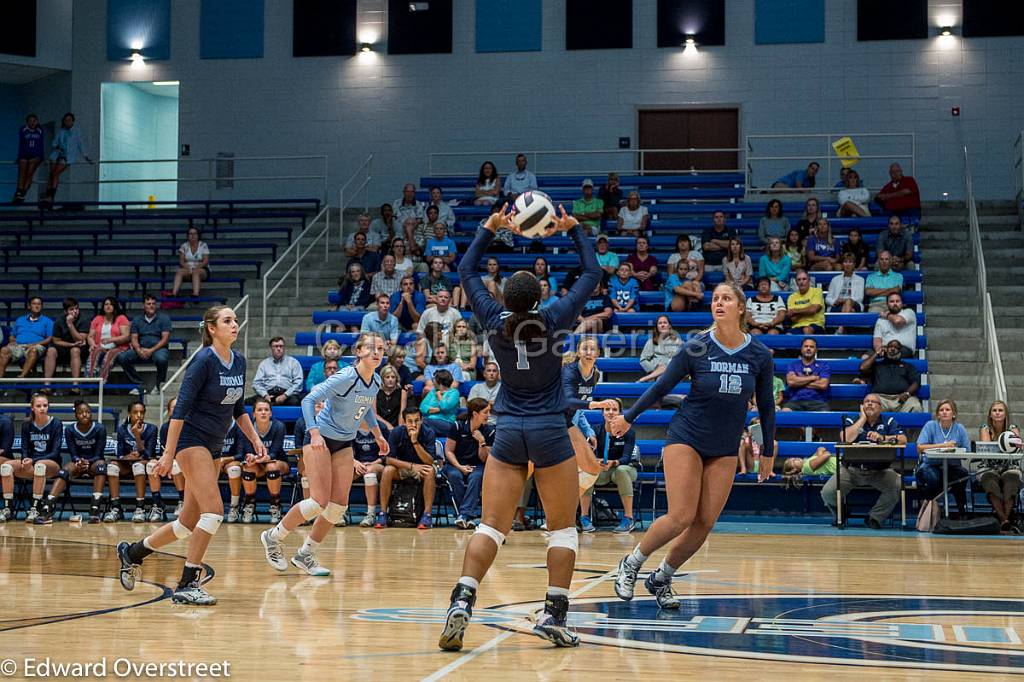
(193, 594)
(367, 521)
(139, 515)
(112, 515)
(249, 513)
(662, 591)
(308, 562)
(5, 514)
(275, 514)
(156, 514)
(130, 572)
(275, 551)
(625, 580)
(233, 515)
(32, 515)
(177, 510)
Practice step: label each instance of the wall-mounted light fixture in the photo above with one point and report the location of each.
(946, 31)
(690, 40)
(365, 47)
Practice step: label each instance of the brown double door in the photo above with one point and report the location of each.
(689, 129)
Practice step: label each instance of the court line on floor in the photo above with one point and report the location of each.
(498, 639)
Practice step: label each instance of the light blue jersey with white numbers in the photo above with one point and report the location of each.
(347, 399)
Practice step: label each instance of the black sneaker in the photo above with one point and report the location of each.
(94, 514)
(130, 571)
(457, 620)
(45, 517)
(873, 524)
(551, 625)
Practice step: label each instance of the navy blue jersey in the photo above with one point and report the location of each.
(609, 447)
(43, 442)
(467, 449)
(530, 371)
(30, 143)
(273, 441)
(126, 443)
(300, 433)
(232, 443)
(89, 446)
(6, 437)
(211, 394)
(722, 383)
(364, 446)
(578, 390)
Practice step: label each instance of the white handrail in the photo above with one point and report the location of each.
(988, 324)
(635, 164)
(1018, 166)
(243, 329)
(343, 201)
(324, 213)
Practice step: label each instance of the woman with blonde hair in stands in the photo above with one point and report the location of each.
(1001, 479)
(331, 350)
(944, 431)
(822, 252)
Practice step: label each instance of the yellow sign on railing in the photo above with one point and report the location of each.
(846, 150)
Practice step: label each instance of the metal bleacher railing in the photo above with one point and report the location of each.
(1018, 175)
(58, 381)
(988, 326)
(598, 162)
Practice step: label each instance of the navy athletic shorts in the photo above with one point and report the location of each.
(678, 434)
(543, 440)
(193, 438)
(336, 445)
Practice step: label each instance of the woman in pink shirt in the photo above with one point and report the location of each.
(109, 334)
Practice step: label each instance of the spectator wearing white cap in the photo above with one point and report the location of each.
(588, 209)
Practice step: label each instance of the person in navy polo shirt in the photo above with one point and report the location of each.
(412, 446)
(30, 335)
(30, 155)
(466, 450)
(808, 380)
(151, 332)
(615, 453)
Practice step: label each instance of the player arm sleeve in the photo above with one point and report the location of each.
(101, 444)
(580, 421)
(370, 417)
(149, 443)
(565, 310)
(675, 372)
(318, 394)
(765, 395)
(483, 304)
(122, 443)
(6, 438)
(195, 376)
(276, 449)
(569, 390)
(53, 446)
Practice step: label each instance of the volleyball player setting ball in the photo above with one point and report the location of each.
(210, 398)
(349, 397)
(530, 409)
(726, 367)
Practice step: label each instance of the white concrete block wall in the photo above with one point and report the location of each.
(404, 107)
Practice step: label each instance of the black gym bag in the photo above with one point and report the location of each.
(406, 504)
(982, 525)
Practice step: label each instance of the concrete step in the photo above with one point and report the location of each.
(961, 345)
(954, 321)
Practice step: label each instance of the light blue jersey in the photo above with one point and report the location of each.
(347, 401)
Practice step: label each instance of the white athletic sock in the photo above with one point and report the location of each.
(470, 582)
(37, 497)
(191, 565)
(371, 509)
(309, 546)
(558, 591)
(8, 496)
(234, 500)
(636, 557)
(97, 496)
(279, 532)
(665, 572)
(50, 498)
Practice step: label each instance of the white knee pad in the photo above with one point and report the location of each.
(310, 508)
(150, 468)
(6, 469)
(334, 512)
(493, 533)
(113, 469)
(210, 522)
(565, 538)
(175, 469)
(370, 478)
(39, 469)
(180, 531)
(304, 482)
(138, 469)
(234, 471)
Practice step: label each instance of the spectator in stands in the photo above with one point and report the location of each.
(633, 218)
(845, 291)
(150, 335)
(900, 196)
(893, 379)
(806, 307)
(442, 313)
(441, 361)
(28, 340)
(799, 178)
(941, 433)
(407, 303)
(542, 272)
(897, 323)
(821, 463)
(445, 214)
(368, 260)
(354, 289)
(278, 378)
(391, 399)
(684, 290)
(520, 181)
(737, 266)
(488, 185)
(773, 223)
(331, 350)
(387, 280)
(765, 311)
(462, 349)
(371, 241)
(854, 199)
(822, 250)
(441, 246)
(488, 388)
(421, 350)
(547, 294)
(644, 265)
(408, 206)
(684, 251)
(30, 156)
(610, 194)
(809, 221)
(841, 183)
(403, 263)
(70, 336)
(597, 313)
(1000, 479)
(715, 241)
(109, 336)
(466, 451)
(396, 359)
(435, 281)
(193, 263)
(774, 265)
(441, 402)
(412, 446)
(624, 290)
(855, 245)
(898, 243)
(67, 150)
(615, 456)
(808, 379)
(588, 209)
(881, 283)
(869, 427)
(381, 322)
(659, 349)
(385, 228)
(415, 236)
(608, 260)
(794, 249)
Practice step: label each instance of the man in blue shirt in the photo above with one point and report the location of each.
(29, 337)
(799, 178)
(408, 302)
(151, 332)
(881, 283)
(381, 322)
(808, 380)
(440, 245)
(412, 446)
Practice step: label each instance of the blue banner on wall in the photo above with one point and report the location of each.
(231, 29)
(789, 21)
(142, 26)
(508, 25)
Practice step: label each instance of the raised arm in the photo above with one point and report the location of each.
(565, 310)
(677, 370)
(483, 304)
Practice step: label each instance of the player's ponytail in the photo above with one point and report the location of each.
(523, 322)
(210, 319)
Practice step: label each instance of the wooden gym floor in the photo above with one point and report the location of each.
(762, 601)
